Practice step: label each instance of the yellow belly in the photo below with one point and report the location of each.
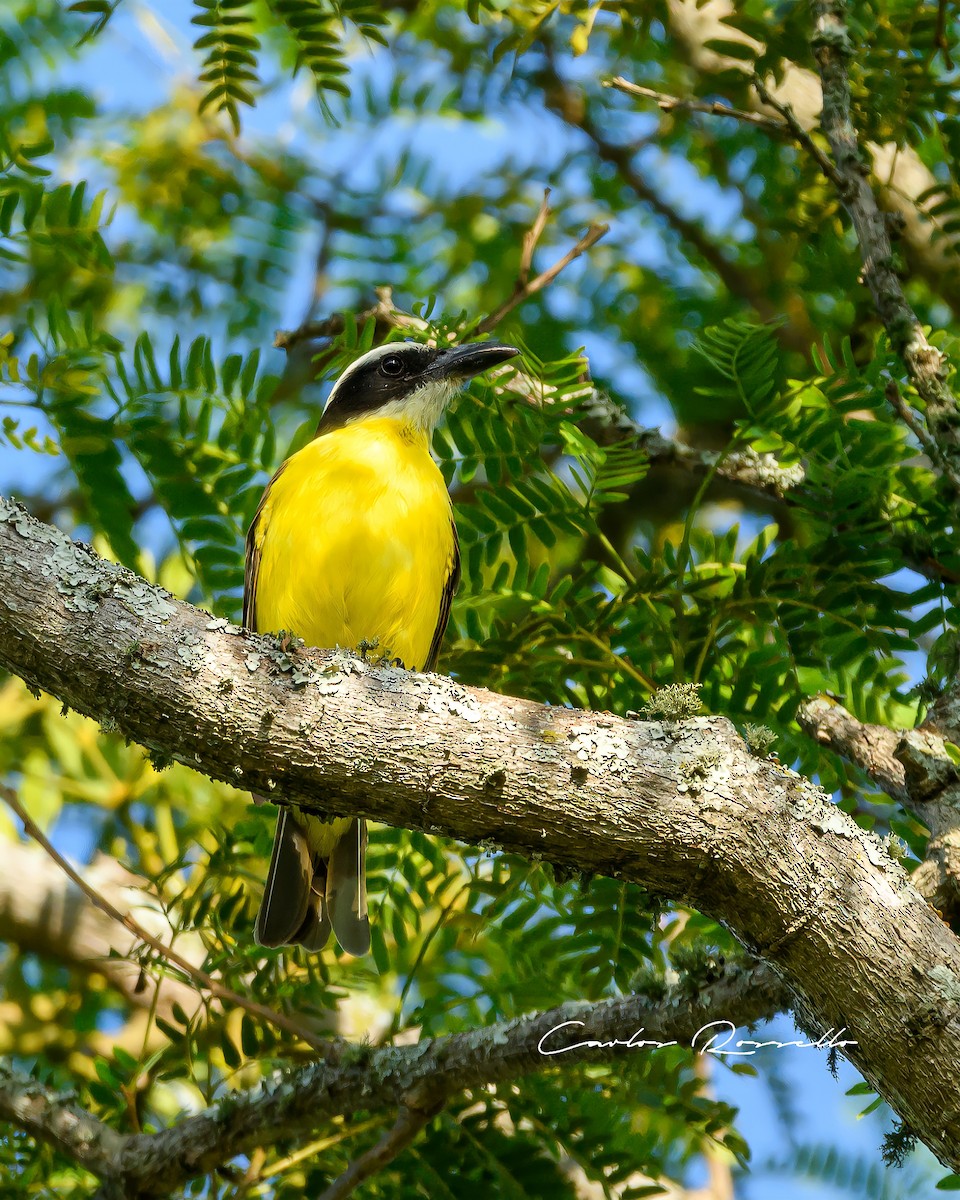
(356, 542)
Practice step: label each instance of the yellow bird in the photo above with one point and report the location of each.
(354, 541)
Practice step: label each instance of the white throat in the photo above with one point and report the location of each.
(421, 410)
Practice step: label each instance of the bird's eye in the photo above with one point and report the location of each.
(391, 364)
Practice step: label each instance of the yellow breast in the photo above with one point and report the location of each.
(356, 542)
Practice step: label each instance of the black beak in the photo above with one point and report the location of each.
(463, 362)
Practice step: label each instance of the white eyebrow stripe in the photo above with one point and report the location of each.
(371, 356)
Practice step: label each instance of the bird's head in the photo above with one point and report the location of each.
(409, 382)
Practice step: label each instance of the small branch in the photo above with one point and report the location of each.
(914, 769)
(871, 747)
(926, 367)
(383, 312)
(929, 445)
(531, 237)
(524, 290)
(409, 1123)
(564, 100)
(788, 127)
(422, 1077)
(51, 1117)
(715, 108)
(328, 327)
(325, 1047)
(798, 133)
(940, 34)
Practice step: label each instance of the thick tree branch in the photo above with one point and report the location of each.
(926, 367)
(681, 808)
(53, 1118)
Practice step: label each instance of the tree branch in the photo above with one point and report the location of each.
(529, 287)
(292, 1104)
(800, 135)
(926, 367)
(562, 99)
(913, 767)
(871, 747)
(682, 808)
(410, 1121)
(714, 108)
(383, 312)
(51, 1117)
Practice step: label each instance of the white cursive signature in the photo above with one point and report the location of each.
(714, 1038)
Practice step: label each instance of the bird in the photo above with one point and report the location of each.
(354, 543)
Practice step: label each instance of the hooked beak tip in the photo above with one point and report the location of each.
(463, 362)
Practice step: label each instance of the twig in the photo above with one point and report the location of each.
(532, 236)
(787, 127)
(329, 1050)
(524, 289)
(926, 367)
(712, 107)
(940, 35)
(408, 1124)
(329, 327)
(927, 443)
(383, 312)
(798, 133)
(317, 1146)
(568, 104)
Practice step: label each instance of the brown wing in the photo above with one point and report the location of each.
(251, 569)
(446, 600)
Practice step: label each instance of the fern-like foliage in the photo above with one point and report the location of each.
(230, 65)
(317, 28)
(312, 25)
(100, 12)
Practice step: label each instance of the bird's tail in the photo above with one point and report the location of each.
(316, 881)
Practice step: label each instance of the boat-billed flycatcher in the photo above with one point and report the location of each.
(354, 541)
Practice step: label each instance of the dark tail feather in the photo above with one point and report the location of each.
(315, 930)
(347, 890)
(287, 895)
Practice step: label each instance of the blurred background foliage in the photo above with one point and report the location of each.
(178, 182)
